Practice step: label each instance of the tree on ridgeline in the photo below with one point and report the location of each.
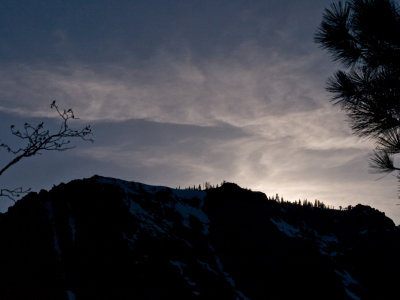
(38, 139)
(364, 36)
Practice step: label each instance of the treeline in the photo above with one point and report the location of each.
(206, 186)
(306, 203)
(202, 187)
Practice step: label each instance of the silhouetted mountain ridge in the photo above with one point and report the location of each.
(104, 238)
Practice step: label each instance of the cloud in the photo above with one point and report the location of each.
(238, 89)
(278, 100)
(261, 119)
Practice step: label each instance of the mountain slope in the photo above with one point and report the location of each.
(103, 238)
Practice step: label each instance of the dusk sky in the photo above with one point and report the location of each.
(183, 92)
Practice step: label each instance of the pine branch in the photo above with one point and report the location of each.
(382, 162)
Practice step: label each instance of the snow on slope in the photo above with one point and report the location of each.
(182, 206)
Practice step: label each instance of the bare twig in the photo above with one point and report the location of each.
(14, 193)
(39, 139)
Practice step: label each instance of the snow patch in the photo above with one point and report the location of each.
(228, 277)
(191, 283)
(147, 220)
(180, 265)
(241, 296)
(126, 186)
(168, 223)
(50, 211)
(352, 295)
(286, 228)
(131, 187)
(206, 266)
(329, 239)
(71, 222)
(70, 295)
(153, 189)
(184, 209)
(347, 281)
(187, 210)
(324, 242)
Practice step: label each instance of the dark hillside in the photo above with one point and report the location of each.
(103, 238)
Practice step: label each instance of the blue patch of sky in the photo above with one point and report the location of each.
(56, 30)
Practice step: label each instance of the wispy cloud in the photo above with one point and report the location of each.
(288, 137)
(238, 89)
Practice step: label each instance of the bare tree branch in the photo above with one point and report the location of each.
(38, 139)
(14, 193)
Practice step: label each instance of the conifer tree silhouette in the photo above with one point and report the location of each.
(364, 36)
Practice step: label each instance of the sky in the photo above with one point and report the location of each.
(180, 92)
